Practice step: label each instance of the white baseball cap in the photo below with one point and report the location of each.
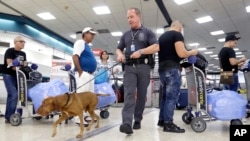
(88, 29)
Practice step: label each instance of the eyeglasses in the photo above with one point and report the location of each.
(21, 41)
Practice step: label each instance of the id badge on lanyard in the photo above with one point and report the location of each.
(132, 47)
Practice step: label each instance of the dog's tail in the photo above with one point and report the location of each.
(102, 94)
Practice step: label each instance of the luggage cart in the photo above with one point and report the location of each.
(197, 97)
(247, 82)
(22, 87)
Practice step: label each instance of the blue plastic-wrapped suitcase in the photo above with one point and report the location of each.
(43, 90)
(105, 88)
(226, 105)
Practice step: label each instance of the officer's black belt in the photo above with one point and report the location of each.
(136, 61)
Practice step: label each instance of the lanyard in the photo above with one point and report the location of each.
(133, 36)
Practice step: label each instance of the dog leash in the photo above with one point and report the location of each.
(103, 72)
(98, 75)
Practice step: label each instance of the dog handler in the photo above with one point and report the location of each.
(138, 42)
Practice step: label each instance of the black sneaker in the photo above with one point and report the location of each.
(160, 123)
(171, 127)
(137, 125)
(125, 128)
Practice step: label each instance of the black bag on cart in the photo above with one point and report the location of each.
(200, 63)
(26, 70)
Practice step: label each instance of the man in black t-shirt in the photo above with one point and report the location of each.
(228, 61)
(172, 50)
(9, 75)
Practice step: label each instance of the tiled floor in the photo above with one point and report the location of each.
(40, 130)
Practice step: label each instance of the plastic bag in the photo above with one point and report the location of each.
(101, 76)
(105, 88)
(226, 105)
(43, 90)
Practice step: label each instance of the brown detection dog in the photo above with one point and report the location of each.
(72, 105)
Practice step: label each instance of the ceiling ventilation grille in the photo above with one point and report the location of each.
(103, 31)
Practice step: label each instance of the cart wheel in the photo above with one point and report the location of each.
(51, 116)
(104, 114)
(15, 119)
(236, 122)
(37, 118)
(198, 124)
(187, 118)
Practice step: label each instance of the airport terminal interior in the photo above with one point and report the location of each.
(49, 42)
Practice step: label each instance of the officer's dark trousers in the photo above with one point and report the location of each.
(136, 80)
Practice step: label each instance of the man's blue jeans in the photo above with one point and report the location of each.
(12, 96)
(234, 86)
(170, 82)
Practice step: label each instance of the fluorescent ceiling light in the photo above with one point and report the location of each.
(239, 56)
(213, 55)
(219, 32)
(202, 49)
(180, 2)
(73, 36)
(248, 9)
(210, 64)
(208, 52)
(221, 40)
(46, 16)
(90, 44)
(160, 31)
(204, 19)
(101, 10)
(118, 42)
(116, 33)
(237, 53)
(193, 44)
(236, 49)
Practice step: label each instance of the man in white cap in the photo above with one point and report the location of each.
(85, 62)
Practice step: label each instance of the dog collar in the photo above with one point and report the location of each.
(68, 98)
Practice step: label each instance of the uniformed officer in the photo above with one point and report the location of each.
(138, 43)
